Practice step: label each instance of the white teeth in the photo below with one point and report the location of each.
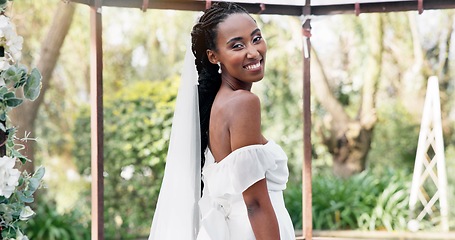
(254, 66)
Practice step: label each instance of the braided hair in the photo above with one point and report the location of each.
(203, 37)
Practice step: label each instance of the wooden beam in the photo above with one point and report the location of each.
(96, 120)
(160, 4)
(283, 9)
(382, 7)
(382, 235)
(307, 215)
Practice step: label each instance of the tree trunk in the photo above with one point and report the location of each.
(349, 157)
(24, 116)
(348, 139)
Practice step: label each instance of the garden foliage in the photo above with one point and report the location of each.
(137, 123)
(365, 201)
(17, 84)
(49, 224)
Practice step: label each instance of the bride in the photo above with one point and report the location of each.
(243, 173)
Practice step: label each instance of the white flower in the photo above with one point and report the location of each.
(11, 42)
(9, 176)
(19, 236)
(15, 46)
(4, 64)
(26, 213)
(4, 21)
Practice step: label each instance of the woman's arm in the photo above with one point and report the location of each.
(260, 212)
(245, 129)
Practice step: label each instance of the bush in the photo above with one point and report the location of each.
(293, 202)
(364, 201)
(137, 123)
(48, 224)
(391, 209)
(395, 139)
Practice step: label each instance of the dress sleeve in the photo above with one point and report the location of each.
(241, 169)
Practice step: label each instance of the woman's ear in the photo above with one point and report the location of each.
(212, 56)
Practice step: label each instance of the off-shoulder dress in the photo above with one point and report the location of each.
(223, 210)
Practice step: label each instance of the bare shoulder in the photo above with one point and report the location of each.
(245, 119)
(245, 101)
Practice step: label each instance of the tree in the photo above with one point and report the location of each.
(26, 114)
(144, 46)
(406, 54)
(280, 90)
(348, 136)
(427, 54)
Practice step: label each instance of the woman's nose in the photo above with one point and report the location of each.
(252, 52)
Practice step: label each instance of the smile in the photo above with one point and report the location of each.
(253, 66)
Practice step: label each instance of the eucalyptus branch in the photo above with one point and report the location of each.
(16, 188)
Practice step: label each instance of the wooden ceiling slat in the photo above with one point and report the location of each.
(294, 10)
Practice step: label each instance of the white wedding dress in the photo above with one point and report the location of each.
(223, 210)
(221, 213)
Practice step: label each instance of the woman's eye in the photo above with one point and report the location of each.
(257, 38)
(237, 45)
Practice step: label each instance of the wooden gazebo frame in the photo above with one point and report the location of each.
(305, 8)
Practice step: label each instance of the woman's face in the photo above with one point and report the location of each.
(241, 50)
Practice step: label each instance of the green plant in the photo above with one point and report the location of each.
(16, 189)
(137, 128)
(391, 210)
(3, 5)
(51, 225)
(364, 201)
(395, 138)
(293, 202)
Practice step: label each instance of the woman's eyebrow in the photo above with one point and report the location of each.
(255, 31)
(240, 38)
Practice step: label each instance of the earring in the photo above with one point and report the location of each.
(219, 67)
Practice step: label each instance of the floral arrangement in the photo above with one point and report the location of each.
(11, 41)
(16, 85)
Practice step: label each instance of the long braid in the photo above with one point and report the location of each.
(203, 37)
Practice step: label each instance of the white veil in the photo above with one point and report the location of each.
(177, 212)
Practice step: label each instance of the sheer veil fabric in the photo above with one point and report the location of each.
(177, 212)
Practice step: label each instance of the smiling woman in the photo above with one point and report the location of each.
(244, 174)
(239, 51)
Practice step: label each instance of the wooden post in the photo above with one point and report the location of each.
(307, 224)
(430, 155)
(96, 121)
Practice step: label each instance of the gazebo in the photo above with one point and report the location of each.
(305, 8)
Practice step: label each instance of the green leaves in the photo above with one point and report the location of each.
(25, 198)
(16, 84)
(50, 224)
(13, 102)
(365, 201)
(35, 180)
(3, 4)
(16, 77)
(30, 185)
(32, 85)
(14, 209)
(137, 124)
(13, 79)
(18, 155)
(9, 99)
